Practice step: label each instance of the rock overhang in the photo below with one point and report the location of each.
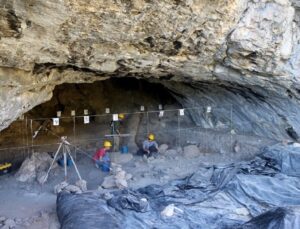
(230, 43)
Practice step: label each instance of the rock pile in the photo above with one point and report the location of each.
(6, 223)
(79, 187)
(34, 168)
(118, 179)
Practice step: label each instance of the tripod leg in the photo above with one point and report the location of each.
(54, 159)
(65, 161)
(77, 171)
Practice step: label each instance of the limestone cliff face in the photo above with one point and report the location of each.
(249, 45)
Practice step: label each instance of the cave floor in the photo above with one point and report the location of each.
(33, 205)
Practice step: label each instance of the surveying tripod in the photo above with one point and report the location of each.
(64, 145)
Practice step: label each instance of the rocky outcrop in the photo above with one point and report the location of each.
(247, 46)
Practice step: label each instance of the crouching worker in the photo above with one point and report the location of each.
(150, 147)
(101, 157)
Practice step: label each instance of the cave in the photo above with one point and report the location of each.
(216, 127)
(88, 87)
(119, 95)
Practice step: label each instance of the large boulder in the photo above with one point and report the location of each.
(34, 167)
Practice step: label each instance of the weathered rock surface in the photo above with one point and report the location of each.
(34, 167)
(246, 48)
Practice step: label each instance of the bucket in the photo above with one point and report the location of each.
(61, 162)
(105, 167)
(124, 149)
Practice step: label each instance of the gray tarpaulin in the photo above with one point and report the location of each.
(262, 193)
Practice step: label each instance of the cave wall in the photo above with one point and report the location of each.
(244, 111)
(242, 44)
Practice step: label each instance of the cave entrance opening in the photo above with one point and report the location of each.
(148, 108)
(86, 111)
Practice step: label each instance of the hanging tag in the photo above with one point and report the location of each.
(86, 119)
(208, 109)
(73, 113)
(161, 114)
(21, 117)
(55, 121)
(181, 112)
(107, 110)
(160, 107)
(58, 114)
(142, 108)
(86, 111)
(115, 117)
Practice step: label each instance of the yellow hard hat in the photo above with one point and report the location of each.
(151, 137)
(121, 116)
(107, 144)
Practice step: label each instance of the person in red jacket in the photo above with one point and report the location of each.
(100, 156)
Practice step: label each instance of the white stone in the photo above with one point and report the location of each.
(242, 211)
(108, 182)
(59, 187)
(72, 189)
(82, 184)
(296, 144)
(168, 211)
(121, 183)
(121, 175)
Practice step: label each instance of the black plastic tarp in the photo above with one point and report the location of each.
(262, 193)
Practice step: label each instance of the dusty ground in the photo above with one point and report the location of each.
(33, 206)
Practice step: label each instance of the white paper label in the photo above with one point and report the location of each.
(208, 109)
(160, 107)
(142, 108)
(58, 113)
(55, 121)
(115, 117)
(86, 119)
(73, 113)
(86, 112)
(161, 114)
(181, 112)
(107, 110)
